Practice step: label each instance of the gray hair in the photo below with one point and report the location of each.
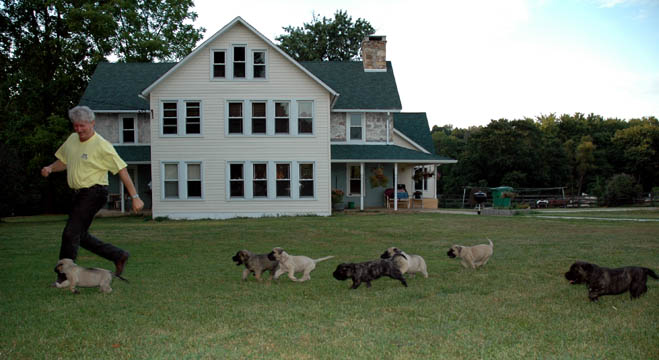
(81, 114)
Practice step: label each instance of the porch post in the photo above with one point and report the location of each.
(436, 167)
(395, 186)
(361, 181)
(121, 193)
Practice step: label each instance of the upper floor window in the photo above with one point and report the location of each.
(235, 118)
(239, 63)
(219, 64)
(356, 127)
(305, 117)
(258, 63)
(128, 130)
(282, 118)
(170, 117)
(259, 118)
(192, 117)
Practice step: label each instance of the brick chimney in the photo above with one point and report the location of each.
(374, 53)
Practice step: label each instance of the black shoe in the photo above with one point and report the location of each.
(121, 263)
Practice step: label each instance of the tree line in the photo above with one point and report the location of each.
(579, 152)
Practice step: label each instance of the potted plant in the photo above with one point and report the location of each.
(378, 178)
(337, 199)
(421, 174)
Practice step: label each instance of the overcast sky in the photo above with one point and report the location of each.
(465, 62)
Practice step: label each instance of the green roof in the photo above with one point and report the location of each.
(115, 86)
(415, 127)
(358, 89)
(134, 153)
(384, 153)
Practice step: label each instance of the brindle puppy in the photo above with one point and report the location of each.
(369, 271)
(606, 281)
(255, 263)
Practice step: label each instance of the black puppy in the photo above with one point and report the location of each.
(606, 281)
(368, 271)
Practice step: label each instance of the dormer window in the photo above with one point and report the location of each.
(239, 62)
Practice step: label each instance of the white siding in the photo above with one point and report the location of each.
(214, 149)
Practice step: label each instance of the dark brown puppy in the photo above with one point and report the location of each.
(255, 263)
(368, 271)
(606, 281)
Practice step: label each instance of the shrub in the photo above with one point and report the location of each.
(621, 189)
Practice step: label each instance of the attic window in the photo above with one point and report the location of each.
(239, 62)
(259, 64)
(219, 64)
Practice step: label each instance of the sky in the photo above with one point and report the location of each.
(467, 62)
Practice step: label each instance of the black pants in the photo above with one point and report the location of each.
(86, 203)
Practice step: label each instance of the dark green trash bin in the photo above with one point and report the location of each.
(500, 200)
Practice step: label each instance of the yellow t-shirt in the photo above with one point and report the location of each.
(88, 163)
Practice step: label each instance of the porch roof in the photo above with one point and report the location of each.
(134, 153)
(385, 153)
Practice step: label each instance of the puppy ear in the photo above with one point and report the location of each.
(587, 267)
(459, 249)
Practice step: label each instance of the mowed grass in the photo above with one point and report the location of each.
(185, 299)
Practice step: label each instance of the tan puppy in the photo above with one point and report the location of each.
(407, 264)
(84, 277)
(294, 263)
(472, 256)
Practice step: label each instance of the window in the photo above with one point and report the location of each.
(305, 117)
(258, 58)
(171, 181)
(306, 180)
(258, 118)
(236, 181)
(356, 127)
(260, 180)
(355, 180)
(169, 118)
(235, 118)
(281, 118)
(219, 64)
(128, 130)
(193, 117)
(420, 181)
(194, 180)
(283, 180)
(238, 62)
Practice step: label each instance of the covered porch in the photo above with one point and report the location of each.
(385, 177)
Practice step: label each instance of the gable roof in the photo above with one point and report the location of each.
(115, 86)
(414, 127)
(359, 89)
(237, 20)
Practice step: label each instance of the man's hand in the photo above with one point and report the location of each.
(138, 204)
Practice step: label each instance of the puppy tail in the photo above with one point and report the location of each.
(323, 259)
(120, 277)
(651, 273)
(491, 244)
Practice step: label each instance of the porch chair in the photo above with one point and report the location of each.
(403, 197)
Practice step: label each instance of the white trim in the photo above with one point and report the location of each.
(231, 215)
(348, 178)
(402, 161)
(122, 111)
(415, 144)
(212, 64)
(367, 110)
(206, 43)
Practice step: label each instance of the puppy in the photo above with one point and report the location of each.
(606, 281)
(84, 277)
(255, 263)
(472, 256)
(292, 264)
(369, 271)
(407, 264)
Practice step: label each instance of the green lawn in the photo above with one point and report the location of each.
(185, 298)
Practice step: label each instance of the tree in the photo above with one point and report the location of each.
(639, 146)
(337, 39)
(48, 51)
